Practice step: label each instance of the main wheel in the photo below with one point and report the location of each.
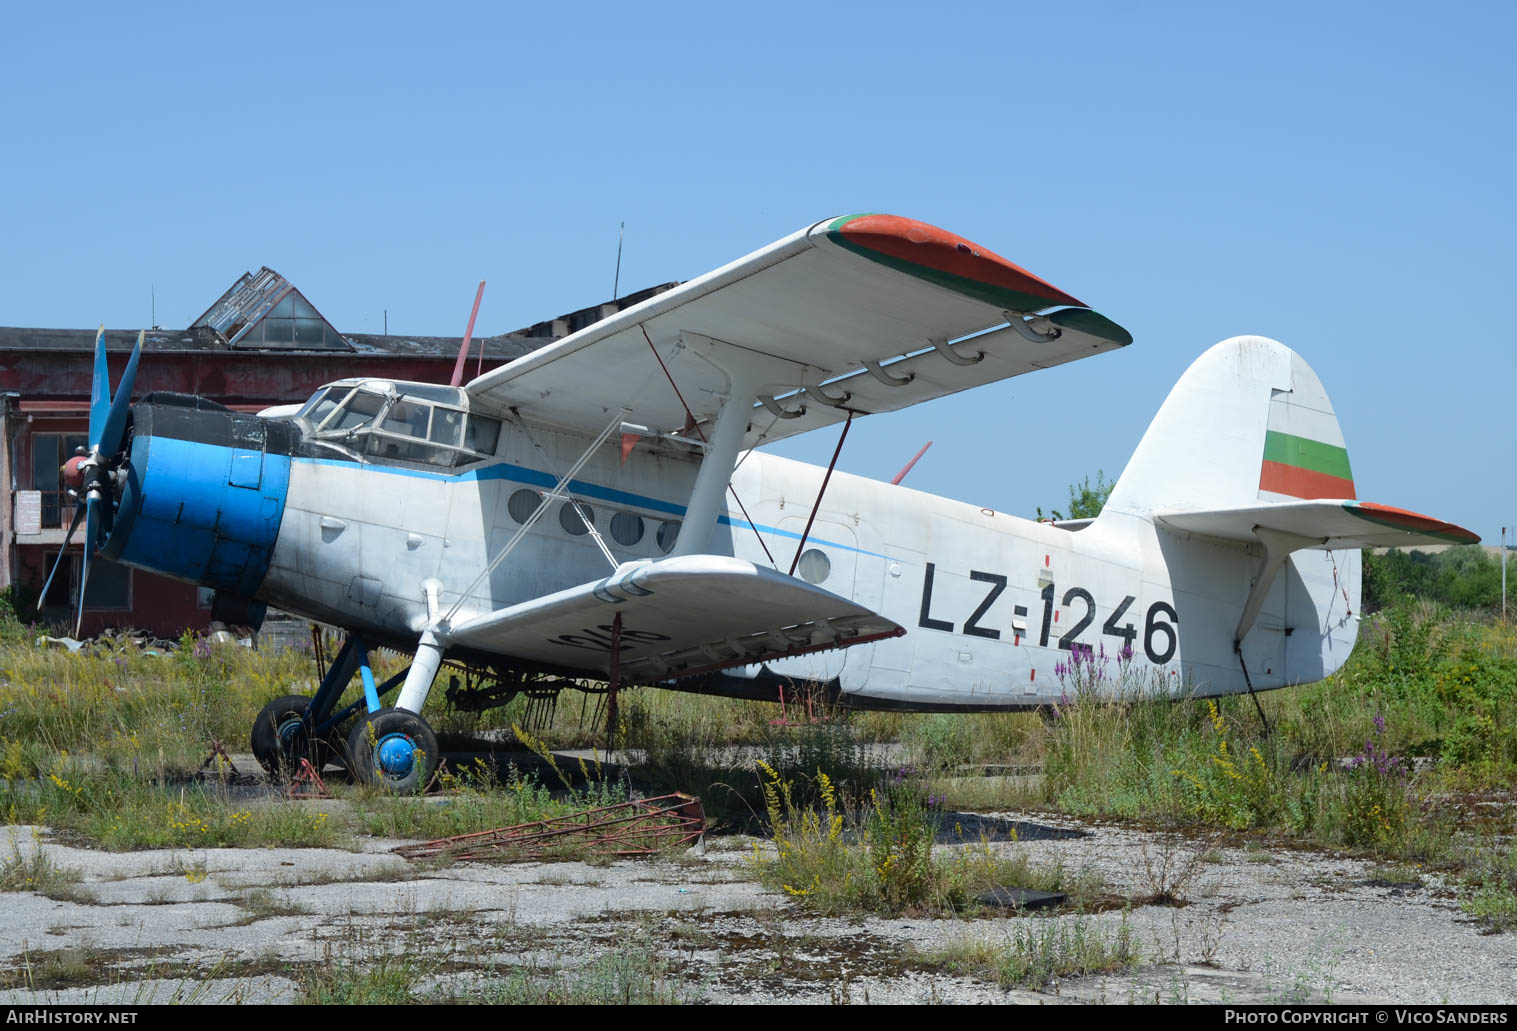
(281, 736)
(393, 749)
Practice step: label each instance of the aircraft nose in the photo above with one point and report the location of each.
(203, 493)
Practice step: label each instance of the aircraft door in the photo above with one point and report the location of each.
(830, 561)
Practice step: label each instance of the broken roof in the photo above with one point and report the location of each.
(264, 312)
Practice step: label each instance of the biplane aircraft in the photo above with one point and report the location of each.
(601, 509)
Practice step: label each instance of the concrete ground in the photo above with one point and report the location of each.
(272, 925)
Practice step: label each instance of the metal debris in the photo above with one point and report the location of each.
(640, 828)
(307, 783)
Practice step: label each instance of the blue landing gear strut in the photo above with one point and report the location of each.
(391, 748)
(299, 727)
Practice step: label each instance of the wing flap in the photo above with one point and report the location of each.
(822, 303)
(680, 616)
(1337, 524)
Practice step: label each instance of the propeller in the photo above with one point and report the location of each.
(90, 476)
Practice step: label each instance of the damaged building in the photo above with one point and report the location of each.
(262, 344)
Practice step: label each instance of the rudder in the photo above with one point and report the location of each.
(1249, 421)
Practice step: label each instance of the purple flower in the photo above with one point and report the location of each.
(1379, 724)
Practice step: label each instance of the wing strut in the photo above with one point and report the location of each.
(1278, 546)
(825, 480)
(695, 425)
(559, 491)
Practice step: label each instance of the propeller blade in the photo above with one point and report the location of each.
(113, 433)
(100, 391)
(62, 550)
(92, 523)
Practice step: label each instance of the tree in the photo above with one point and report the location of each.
(1085, 501)
(1464, 577)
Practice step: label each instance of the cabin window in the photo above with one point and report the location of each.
(575, 517)
(814, 566)
(521, 504)
(668, 533)
(626, 528)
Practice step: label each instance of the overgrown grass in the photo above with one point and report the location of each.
(120, 808)
(480, 798)
(38, 872)
(626, 977)
(1489, 885)
(1039, 952)
(686, 750)
(879, 856)
(1337, 767)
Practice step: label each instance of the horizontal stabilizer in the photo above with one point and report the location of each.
(680, 616)
(1335, 524)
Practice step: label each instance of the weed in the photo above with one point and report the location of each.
(881, 858)
(1039, 952)
(1171, 864)
(627, 977)
(262, 903)
(1489, 887)
(39, 873)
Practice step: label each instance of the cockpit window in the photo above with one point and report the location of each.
(411, 427)
(482, 435)
(447, 427)
(407, 418)
(321, 404)
(358, 410)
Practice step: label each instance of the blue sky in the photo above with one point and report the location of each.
(1337, 176)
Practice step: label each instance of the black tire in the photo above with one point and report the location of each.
(367, 739)
(281, 736)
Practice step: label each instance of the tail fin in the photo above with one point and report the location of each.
(1249, 422)
(1247, 441)
(1246, 448)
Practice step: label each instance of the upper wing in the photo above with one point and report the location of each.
(866, 304)
(1336, 524)
(680, 616)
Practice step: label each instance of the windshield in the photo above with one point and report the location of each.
(359, 409)
(412, 427)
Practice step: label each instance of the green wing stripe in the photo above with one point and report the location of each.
(1306, 454)
(989, 293)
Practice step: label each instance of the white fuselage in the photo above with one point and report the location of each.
(994, 605)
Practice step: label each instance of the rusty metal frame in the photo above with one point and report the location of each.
(639, 828)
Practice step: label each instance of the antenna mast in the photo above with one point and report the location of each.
(463, 351)
(617, 284)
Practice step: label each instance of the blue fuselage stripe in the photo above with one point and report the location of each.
(537, 478)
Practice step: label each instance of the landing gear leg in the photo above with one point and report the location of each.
(286, 730)
(394, 748)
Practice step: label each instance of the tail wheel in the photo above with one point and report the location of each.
(282, 737)
(393, 749)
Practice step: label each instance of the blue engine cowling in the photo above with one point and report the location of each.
(203, 493)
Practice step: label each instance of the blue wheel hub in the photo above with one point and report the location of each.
(291, 732)
(397, 754)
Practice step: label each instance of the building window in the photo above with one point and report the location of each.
(49, 452)
(110, 587)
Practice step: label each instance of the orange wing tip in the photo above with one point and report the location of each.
(950, 261)
(1411, 522)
